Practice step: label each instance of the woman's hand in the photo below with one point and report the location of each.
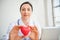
(34, 33)
(13, 35)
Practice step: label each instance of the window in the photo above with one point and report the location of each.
(56, 12)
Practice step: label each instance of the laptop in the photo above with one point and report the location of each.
(50, 33)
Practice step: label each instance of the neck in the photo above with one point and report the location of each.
(25, 20)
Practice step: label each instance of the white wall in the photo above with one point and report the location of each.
(9, 12)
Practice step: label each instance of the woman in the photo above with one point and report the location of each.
(15, 34)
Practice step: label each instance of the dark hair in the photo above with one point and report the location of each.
(26, 3)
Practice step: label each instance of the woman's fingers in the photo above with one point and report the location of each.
(14, 33)
(34, 33)
(34, 29)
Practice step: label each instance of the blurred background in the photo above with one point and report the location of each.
(47, 12)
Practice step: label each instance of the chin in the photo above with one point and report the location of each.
(26, 17)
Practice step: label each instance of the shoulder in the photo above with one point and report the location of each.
(12, 24)
(15, 22)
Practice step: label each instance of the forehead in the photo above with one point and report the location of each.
(26, 6)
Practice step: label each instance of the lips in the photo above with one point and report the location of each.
(25, 15)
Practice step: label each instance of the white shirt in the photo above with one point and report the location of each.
(20, 22)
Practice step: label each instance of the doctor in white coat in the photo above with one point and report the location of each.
(14, 33)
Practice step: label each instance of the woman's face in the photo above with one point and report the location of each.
(26, 11)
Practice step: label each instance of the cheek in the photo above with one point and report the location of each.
(30, 13)
(22, 13)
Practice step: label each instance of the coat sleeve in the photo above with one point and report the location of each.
(6, 37)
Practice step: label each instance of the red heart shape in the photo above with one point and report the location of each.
(25, 30)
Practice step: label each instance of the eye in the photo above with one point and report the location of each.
(23, 9)
(28, 9)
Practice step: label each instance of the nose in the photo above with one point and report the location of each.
(26, 11)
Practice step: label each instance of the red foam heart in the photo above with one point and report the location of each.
(25, 30)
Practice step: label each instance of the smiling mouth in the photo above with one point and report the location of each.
(25, 15)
